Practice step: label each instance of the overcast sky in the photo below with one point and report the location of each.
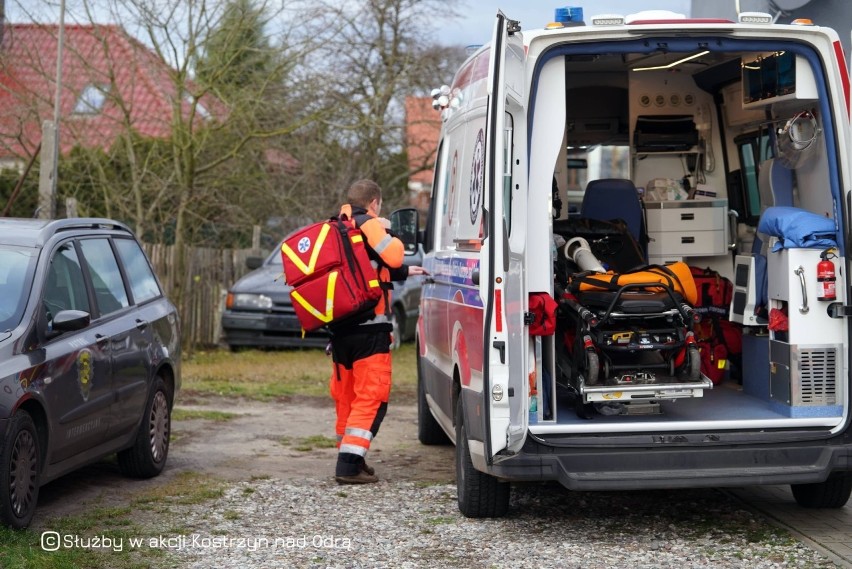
(473, 26)
(476, 21)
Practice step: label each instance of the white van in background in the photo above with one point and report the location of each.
(720, 125)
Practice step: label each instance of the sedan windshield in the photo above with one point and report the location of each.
(16, 275)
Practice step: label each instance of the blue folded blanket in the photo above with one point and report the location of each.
(797, 228)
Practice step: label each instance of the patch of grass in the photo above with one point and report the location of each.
(441, 520)
(270, 375)
(430, 483)
(231, 515)
(188, 488)
(315, 441)
(97, 539)
(181, 414)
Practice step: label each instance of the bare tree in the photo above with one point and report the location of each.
(383, 52)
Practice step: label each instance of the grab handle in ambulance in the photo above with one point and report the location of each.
(804, 307)
(733, 219)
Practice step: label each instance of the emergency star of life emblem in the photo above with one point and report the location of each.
(304, 244)
(477, 176)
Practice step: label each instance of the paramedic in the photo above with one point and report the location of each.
(361, 376)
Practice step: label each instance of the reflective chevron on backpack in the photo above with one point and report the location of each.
(328, 266)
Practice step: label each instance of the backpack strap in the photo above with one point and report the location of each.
(386, 287)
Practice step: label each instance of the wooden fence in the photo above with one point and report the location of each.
(205, 282)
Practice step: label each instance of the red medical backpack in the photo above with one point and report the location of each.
(718, 339)
(329, 269)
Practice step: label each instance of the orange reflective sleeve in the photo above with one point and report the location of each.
(389, 248)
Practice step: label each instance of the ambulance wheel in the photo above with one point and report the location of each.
(480, 495)
(593, 368)
(833, 493)
(429, 432)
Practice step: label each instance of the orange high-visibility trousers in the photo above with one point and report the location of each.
(361, 398)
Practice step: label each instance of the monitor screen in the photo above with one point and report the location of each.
(752, 86)
(786, 62)
(769, 76)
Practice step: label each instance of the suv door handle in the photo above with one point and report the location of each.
(141, 324)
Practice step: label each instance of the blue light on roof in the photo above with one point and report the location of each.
(569, 15)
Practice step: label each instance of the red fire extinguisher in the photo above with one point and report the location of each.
(826, 280)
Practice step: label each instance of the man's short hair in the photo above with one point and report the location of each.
(362, 192)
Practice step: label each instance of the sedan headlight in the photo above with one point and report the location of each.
(249, 301)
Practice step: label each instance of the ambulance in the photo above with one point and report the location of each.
(732, 139)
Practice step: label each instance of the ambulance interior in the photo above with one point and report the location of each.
(710, 140)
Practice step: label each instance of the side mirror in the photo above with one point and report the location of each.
(68, 321)
(254, 262)
(404, 224)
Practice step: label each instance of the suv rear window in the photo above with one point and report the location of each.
(143, 283)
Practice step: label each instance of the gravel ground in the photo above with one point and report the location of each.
(275, 523)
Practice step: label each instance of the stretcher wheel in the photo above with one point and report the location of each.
(694, 363)
(592, 367)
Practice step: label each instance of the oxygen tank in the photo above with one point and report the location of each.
(577, 249)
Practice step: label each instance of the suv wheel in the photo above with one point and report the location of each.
(19, 473)
(147, 457)
(398, 322)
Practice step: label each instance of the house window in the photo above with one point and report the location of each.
(199, 107)
(91, 100)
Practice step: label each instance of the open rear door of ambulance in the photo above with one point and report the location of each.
(502, 279)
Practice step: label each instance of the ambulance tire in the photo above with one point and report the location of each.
(479, 495)
(833, 493)
(429, 432)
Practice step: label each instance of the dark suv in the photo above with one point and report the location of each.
(89, 356)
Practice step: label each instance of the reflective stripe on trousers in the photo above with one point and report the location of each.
(360, 396)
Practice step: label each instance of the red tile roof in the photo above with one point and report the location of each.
(142, 86)
(422, 128)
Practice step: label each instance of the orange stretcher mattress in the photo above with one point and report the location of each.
(675, 275)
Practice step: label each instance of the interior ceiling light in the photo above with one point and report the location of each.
(673, 63)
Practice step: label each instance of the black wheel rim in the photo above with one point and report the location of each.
(23, 473)
(158, 427)
(396, 337)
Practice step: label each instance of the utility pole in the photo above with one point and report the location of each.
(50, 136)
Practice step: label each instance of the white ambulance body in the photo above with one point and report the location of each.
(758, 93)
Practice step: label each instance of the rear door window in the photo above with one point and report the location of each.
(106, 275)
